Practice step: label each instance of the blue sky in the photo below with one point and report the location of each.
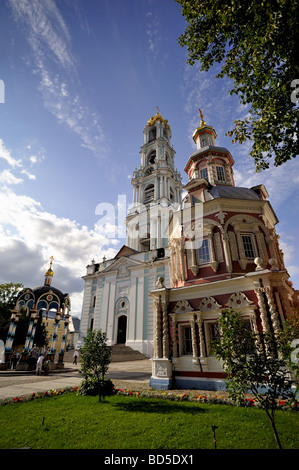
(81, 79)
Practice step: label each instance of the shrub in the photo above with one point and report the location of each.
(94, 386)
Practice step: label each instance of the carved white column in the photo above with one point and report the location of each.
(174, 335)
(284, 300)
(201, 337)
(165, 339)
(157, 328)
(272, 307)
(227, 255)
(262, 306)
(255, 330)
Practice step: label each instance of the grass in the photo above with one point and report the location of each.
(72, 421)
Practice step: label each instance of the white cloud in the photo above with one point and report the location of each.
(29, 235)
(50, 41)
(7, 177)
(152, 33)
(29, 175)
(45, 29)
(5, 154)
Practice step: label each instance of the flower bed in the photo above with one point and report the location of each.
(169, 395)
(212, 399)
(35, 396)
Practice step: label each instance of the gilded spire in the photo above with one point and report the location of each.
(49, 272)
(202, 122)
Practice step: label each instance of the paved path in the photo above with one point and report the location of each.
(25, 384)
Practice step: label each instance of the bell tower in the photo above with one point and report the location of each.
(209, 165)
(157, 188)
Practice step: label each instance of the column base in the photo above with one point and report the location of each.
(161, 378)
(160, 384)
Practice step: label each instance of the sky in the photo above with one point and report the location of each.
(79, 79)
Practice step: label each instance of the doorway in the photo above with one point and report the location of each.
(122, 329)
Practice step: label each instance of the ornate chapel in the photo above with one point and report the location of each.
(186, 259)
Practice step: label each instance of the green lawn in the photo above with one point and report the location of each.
(120, 422)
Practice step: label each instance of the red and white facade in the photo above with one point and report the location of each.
(224, 253)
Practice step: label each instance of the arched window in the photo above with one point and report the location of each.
(152, 134)
(151, 158)
(149, 193)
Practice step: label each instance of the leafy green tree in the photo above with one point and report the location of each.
(8, 297)
(95, 359)
(253, 364)
(257, 44)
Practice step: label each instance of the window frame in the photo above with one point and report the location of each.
(183, 340)
(205, 169)
(207, 245)
(253, 245)
(220, 169)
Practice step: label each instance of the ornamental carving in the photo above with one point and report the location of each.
(237, 300)
(208, 303)
(182, 306)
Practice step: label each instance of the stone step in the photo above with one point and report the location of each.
(121, 353)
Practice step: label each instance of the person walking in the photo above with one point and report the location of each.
(76, 355)
(39, 365)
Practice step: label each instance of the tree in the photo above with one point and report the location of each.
(95, 359)
(253, 364)
(8, 297)
(257, 44)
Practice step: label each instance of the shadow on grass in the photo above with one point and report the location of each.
(157, 407)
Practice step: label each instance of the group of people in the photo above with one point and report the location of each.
(36, 360)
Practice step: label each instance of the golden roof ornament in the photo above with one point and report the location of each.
(158, 117)
(202, 121)
(49, 272)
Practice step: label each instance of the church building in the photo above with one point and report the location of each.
(116, 294)
(186, 260)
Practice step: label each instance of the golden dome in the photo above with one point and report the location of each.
(158, 117)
